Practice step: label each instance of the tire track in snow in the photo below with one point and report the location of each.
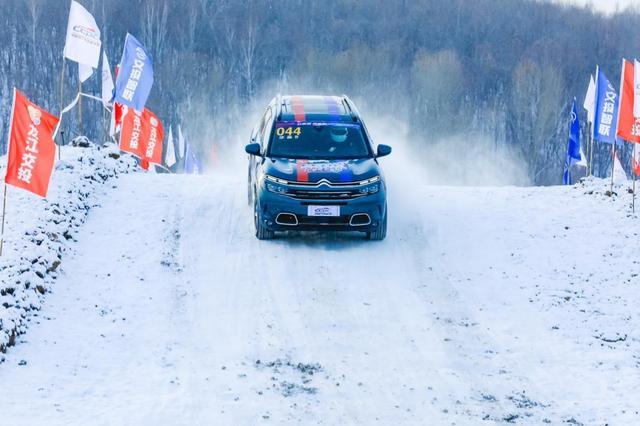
(398, 329)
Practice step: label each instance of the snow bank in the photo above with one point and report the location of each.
(37, 231)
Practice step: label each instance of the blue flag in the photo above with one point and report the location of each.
(188, 159)
(135, 77)
(606, 116)
(191, 163)
(573, 147)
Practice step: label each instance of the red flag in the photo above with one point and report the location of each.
(628, 125)
(131, 134)
(118, 112)
(153, 147)
(31, 147)
(141, 135)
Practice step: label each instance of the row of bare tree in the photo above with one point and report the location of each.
(505, 69)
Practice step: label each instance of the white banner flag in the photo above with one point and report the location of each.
(181, 147)
(107, 81)
(636, 89)
(84, 71)
(170, 158)
(619, 175)
(590, 101)
(83, 37)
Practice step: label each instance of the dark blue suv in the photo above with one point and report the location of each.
(312, 166)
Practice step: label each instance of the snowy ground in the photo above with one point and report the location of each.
(483, 305)
(38, 231)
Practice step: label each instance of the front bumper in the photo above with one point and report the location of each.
(273, 208)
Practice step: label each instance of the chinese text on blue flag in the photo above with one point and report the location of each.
(135, 77)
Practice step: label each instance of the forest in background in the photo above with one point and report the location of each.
(492, 76)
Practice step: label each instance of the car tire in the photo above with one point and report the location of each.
(262, 232)
(381, 231)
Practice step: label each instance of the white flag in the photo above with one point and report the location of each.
(181, 147)
(83, 37)
(84, 71)
(636, 89)
(583, 159)
(170, 158)
(107, 81)
(590, 101)
(635, 161)
(619, 175)
(112, 122)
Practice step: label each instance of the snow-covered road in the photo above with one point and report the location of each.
(495, 304)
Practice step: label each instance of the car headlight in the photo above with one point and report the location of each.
(370, 189)
(370, 186)
(275, 185)
(276, 189)
(370, 180)
(275, 179)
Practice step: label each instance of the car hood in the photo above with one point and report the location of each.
(335, 171)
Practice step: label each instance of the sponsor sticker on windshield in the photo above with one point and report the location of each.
(324, 167)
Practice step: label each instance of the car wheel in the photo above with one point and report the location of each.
(381, 231)
(262, 232)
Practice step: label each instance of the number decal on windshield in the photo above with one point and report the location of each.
(288, 132)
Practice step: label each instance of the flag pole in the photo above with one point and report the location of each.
(4, 210)
(4, 197)
(613, 164)
(61, 95)
(595, 106)
(105, 127)
(567, 168)
(80, 132)
(591, 150)
(633, 199)
(615, 135)
(586, 150)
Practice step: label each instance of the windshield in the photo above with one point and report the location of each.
(300, 140)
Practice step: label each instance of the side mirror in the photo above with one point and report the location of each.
(383, 150)
(253, 149)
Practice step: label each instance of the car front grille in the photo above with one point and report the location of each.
(338, 195)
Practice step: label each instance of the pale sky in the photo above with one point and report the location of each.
(606, 6)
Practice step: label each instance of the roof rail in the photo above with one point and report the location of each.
(280, 103)
(278, 106)
(352, 110)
